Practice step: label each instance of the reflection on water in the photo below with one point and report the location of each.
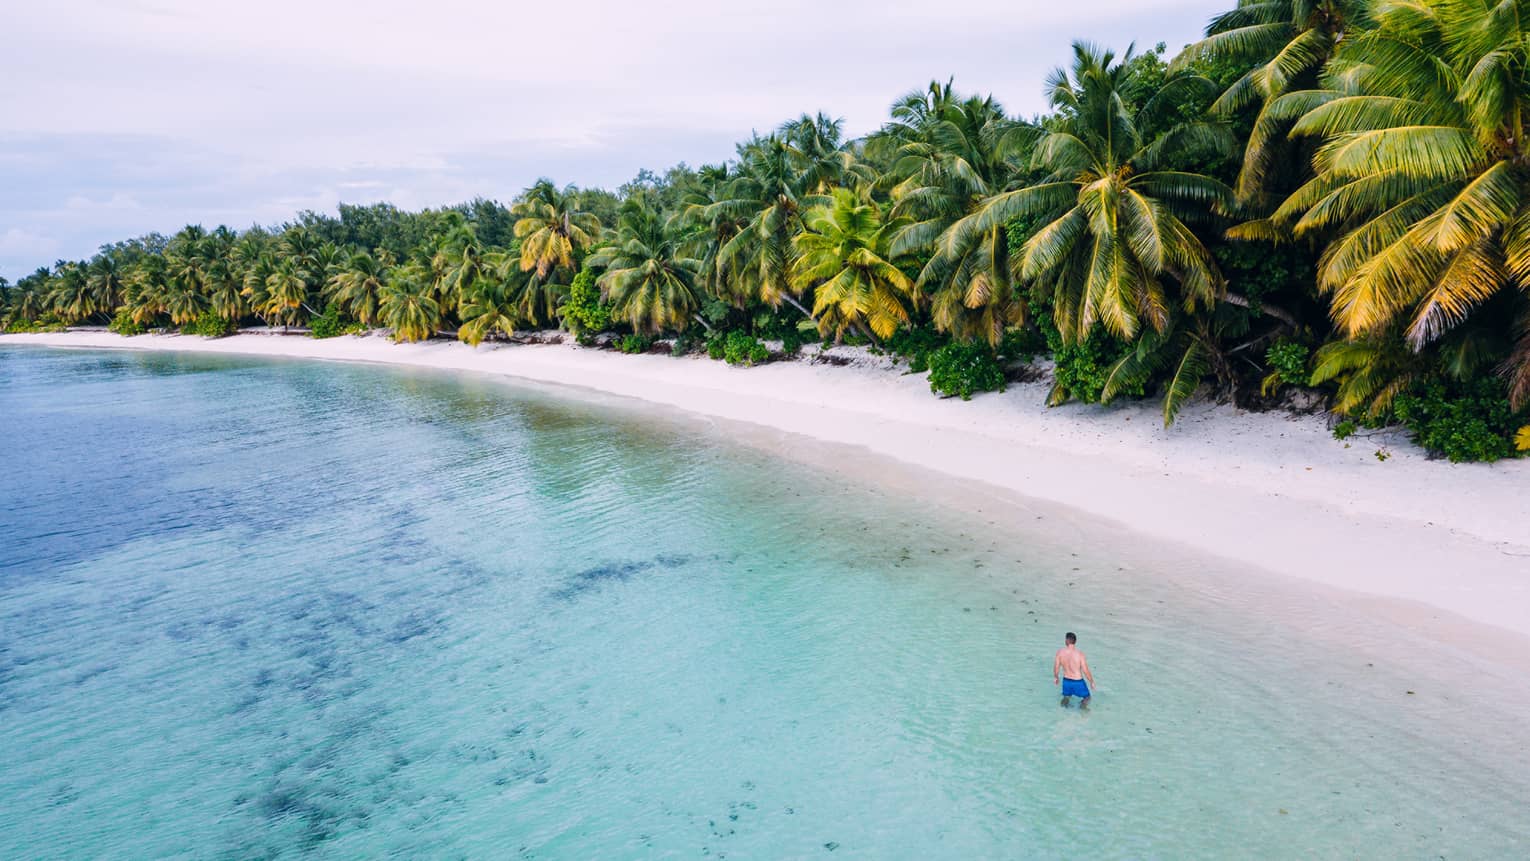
(269, 609)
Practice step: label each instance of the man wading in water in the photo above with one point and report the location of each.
(1075, 668)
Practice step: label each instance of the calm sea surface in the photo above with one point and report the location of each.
(281, 609)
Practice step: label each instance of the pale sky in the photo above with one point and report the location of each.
(122, 117)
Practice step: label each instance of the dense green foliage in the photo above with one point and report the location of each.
(584, 312)
(124, 324)
(738, 348)
(964, 368)
(633, 344)
(1467, 422)
(332, 324)
(209, 325)
(1330, 195)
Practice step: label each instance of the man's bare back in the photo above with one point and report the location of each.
(1070, 664)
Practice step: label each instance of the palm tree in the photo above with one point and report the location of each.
(842, 257)
(648, 281)
(1114, 250)
(1421, 176)
(408, 305)
(225, 289)
(357, 287)
(489, 306)
(460, 261)
(146, 287)
(182, 300)
(819, 143)
(286, 291)
(766, 197)
(552, 228)
(951, 155)
(704, 229)
(69, 294)
(105, 277)
(1284, 44)
(1113, 243)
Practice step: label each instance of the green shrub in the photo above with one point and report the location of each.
(633, 344)
(915, 345)
(1288, 361)
(1022, 344)
(1083, 367)
(964, 369)
(737, 348)
(1345, 429)
(209, 325)
(124, 324)
(22, 327)
(583, 312)
(328, 324)
(1465, 422)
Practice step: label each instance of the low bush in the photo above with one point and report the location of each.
(915, 345)
(331, 324)
(963, 370)
(1288, 361)
(737, 348)
(209, 326)
(124, 324)
(1464, 422)
(22, 327)
(633, 344)
(1084, 366)
(584, 314)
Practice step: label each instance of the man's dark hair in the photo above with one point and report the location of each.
(1070, 638)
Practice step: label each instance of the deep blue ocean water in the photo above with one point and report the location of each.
(258, 609)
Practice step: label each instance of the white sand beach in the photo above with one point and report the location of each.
(1270, 491)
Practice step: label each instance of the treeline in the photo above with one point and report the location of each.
(1317, 195)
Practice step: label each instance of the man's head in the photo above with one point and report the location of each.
(1070, 638)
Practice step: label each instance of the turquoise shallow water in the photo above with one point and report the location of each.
(269, 609)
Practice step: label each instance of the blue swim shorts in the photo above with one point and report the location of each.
(1075, 688)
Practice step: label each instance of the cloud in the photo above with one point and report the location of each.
(207, 112)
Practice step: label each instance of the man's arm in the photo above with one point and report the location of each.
(1056, 663)
(1088, 674)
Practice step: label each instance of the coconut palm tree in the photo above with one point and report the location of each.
(1114, 249)
(225, 289)
(1421, 177)
(767, 196)
(27, 299)
(704, 229)
(357, 287)
(460, 261)
(1283, 44)
(286, 291)
(842, 257)
(489, 306)
(409, 306)
(182, 300)
(70, 296)
(650, 284)
(105, 277)
(146, 288)
(951, 155)
(552, 228)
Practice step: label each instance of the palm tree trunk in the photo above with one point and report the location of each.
(1278, 313)
(704, 324)
(792, 301)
